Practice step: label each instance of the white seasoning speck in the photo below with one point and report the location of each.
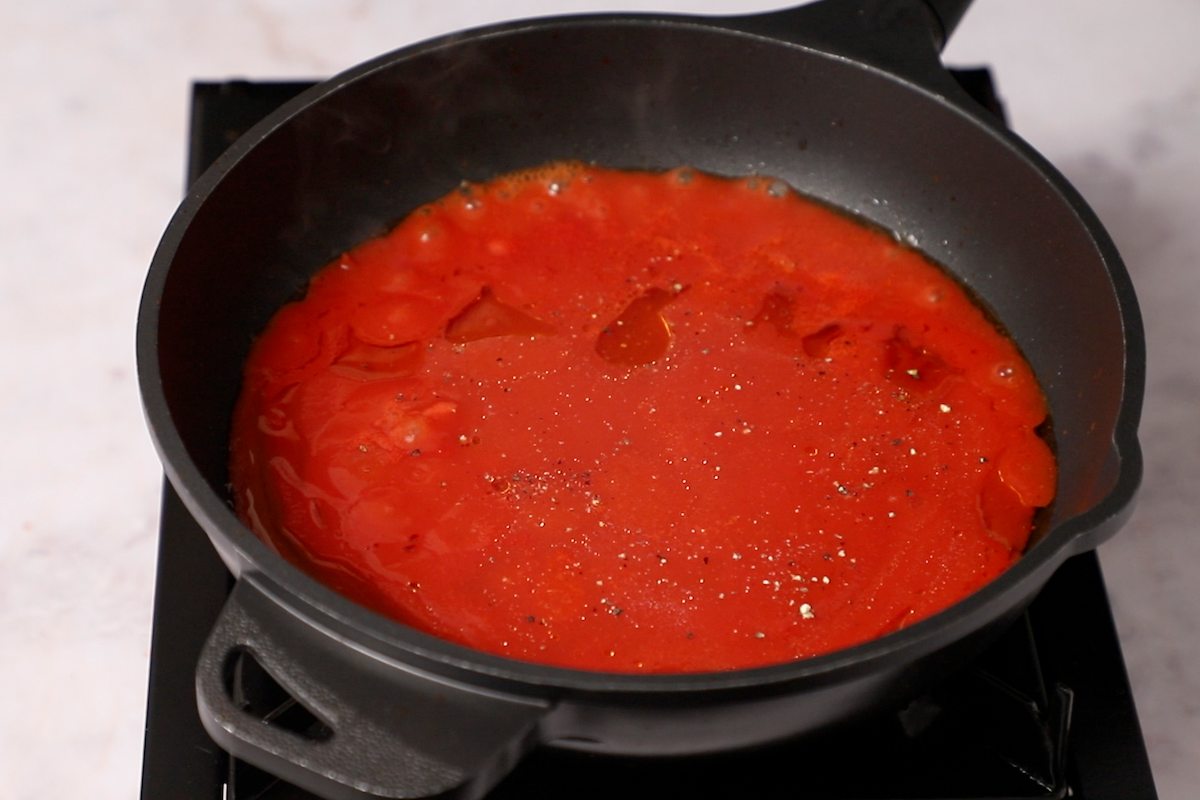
(806, 611)
(945, 409)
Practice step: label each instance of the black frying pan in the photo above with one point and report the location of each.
(844, 99)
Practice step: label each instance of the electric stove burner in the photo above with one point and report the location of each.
(1046, 712)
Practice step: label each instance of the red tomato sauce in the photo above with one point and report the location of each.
(640, 422)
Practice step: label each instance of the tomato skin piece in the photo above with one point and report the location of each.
(640, 422)
(1027, 467)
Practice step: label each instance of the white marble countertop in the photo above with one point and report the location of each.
(95, 101)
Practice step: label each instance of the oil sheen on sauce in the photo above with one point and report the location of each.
(640, 422)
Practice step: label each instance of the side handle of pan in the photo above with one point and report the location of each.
(903, 37)
(275, 692)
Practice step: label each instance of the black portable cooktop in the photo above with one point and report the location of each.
(1046, 712)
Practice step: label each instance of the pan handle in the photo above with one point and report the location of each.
(349, 724)
(903, 37)
(949, 13)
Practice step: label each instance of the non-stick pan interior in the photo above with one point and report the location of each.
(639, 94)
